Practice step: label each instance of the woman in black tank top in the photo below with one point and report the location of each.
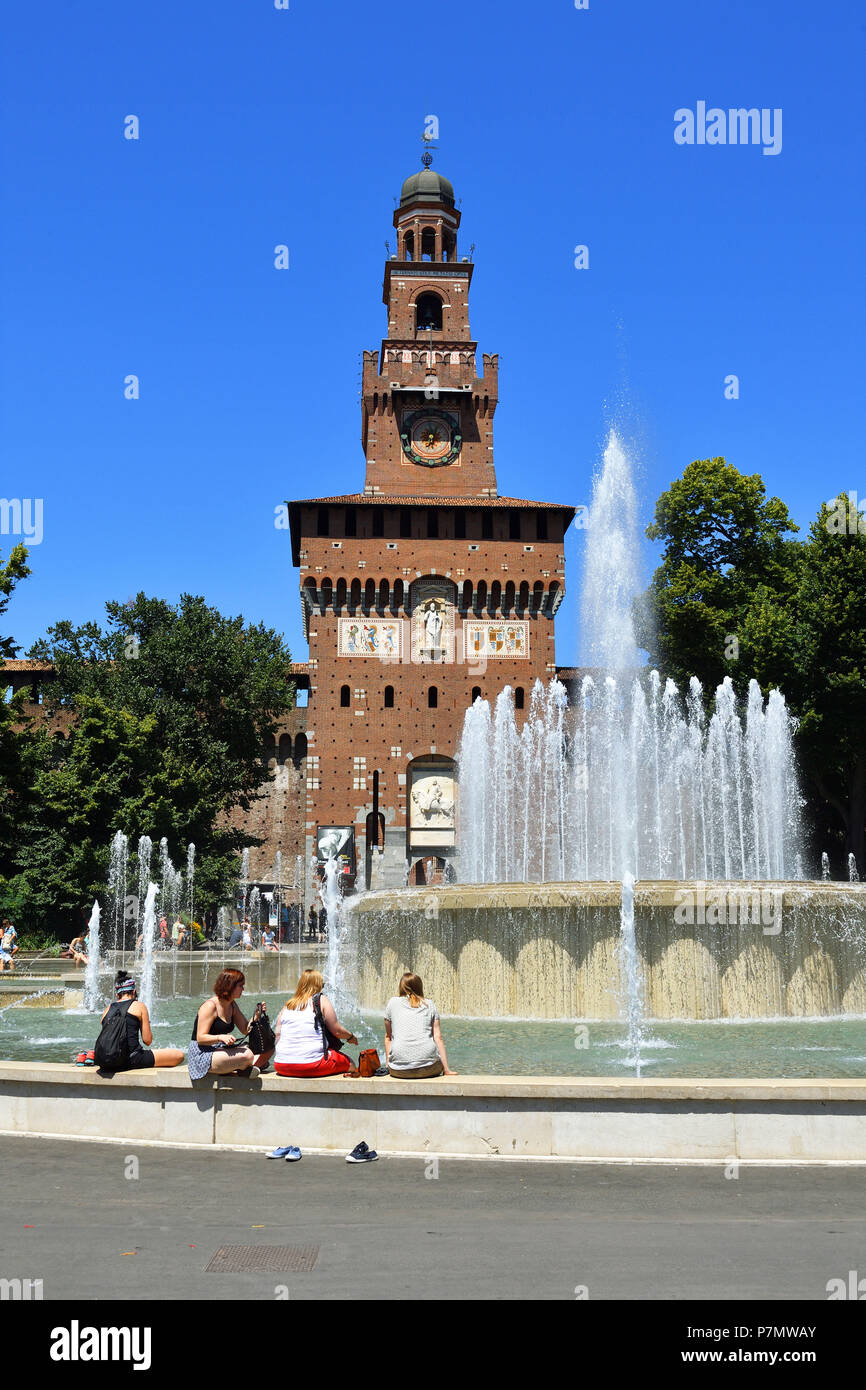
(138, 1029)
(213, 1048)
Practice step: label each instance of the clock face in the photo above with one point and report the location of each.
(431, 438)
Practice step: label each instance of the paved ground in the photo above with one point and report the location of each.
(480, 1230)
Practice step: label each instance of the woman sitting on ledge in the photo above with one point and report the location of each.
(213, 1047)
(413, 1038)
(135, 1019)
(305, 1029)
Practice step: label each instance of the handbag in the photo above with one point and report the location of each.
(368, 1062)
(262, 1038)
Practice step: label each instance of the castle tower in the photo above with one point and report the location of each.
(427, 589)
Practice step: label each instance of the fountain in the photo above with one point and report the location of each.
(623, 852)
(148, 932)
(91, 974)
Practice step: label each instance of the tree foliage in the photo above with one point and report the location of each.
(169, 711)
(734, 595)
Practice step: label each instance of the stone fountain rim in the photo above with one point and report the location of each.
(595, 893)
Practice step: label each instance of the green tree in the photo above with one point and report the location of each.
(724, 539)
(797, 612)
(171, 709)
(19, 746)
(813, 646)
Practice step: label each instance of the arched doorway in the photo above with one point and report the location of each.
(428, 872)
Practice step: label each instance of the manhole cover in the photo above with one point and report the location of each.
(272, 1259)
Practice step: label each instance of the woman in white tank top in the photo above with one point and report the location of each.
(300, 1049)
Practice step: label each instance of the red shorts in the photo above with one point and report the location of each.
(332, 1065)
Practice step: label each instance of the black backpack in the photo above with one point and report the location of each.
(112, 1046)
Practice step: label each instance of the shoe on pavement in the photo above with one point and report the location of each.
(362, 1153)
(281, 1152)
(293, 1154)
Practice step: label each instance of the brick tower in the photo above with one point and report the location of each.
(425, 590)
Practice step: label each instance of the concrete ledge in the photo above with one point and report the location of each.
(470, 1116)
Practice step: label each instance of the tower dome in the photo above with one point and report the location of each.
(428, 185)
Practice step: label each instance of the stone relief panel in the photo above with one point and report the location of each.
(433, 620)
(380, 637)
(495, 640)
(431, 804)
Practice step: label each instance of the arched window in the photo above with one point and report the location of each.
(476, 693)
(428, 311)
(389, 697)
(345, 697)
(518, 697)
(523, 601)
(428, 244)
(370, 595)
(355, 595)
(285, 747)
(300, 750)
(397, 595)
(433, 698)
(409, 243)
(340, 600)
(383, 594)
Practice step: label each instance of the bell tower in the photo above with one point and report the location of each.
(427, 417)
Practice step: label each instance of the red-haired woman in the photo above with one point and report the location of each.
(213, 1048)
(302, 1028)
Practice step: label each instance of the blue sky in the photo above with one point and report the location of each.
(260, 127)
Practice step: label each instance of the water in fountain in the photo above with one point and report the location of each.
(628, 782)
(853, 876)
(825, 866)
(147, 993)
(145, 852)
(299, 883)
(244, 884)
(631, 977)
(255, 912)
(190, 882)
(224, 925)
(117, 868)
(91, 973)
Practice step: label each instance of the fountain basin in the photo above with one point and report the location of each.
(707, 950)
(704, 1120)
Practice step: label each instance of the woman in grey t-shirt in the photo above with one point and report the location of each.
(413, 1038)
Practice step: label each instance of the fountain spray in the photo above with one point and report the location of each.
(91, 974)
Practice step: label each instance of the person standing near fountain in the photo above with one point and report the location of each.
(125, 1027)
(414, 1047)
(8, 945)
(303, 1044)
(213, 1047)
